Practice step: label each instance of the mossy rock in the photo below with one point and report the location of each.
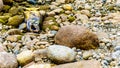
(4, 19)
(50, 25)
(71, 18)
(76, 36)
(6, 8)
(13, 10)
(15, 20)
(49, 18)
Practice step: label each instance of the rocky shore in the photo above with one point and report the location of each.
(59, 34)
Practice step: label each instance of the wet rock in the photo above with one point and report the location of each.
(25, 57)
(76, 36)
(60, 54)
(1, 4)
(14, 32)
(81, 64)
(33, 20)
(13, 38)
(86, 12)
(15, 20)
(8, 60)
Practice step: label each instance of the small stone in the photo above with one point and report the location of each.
(25, 57)
(13, 10)
(87, 54)
(116, 54)
(117, 48)
(14, 32)
(13, 38)
(60, 54)
(8, 60)
(81, 64)
(76, 36)
(15, 20)
(60, 1)
(86, 12)
(67, 7)
(1, 4)
(32, 1)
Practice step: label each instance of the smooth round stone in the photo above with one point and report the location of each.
(60, 54)
(8, 60)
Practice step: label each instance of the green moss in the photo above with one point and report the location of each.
(15, 20)
(4, 19)
(71, 18)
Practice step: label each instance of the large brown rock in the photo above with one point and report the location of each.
(81, 64)
(77, 36)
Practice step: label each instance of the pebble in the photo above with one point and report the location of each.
(25, 57)
(87, 54)
(60, 54)
(67, 7)
(13, 38)
(14, 32)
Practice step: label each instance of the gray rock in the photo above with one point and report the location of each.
(8, 60)
(116, 54)
(117, 48)
(60, 54)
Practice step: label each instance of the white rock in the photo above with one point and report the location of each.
(60, 54)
